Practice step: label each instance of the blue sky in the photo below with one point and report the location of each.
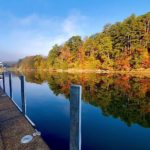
(29, 27)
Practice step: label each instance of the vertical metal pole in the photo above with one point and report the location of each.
(23, 95)
(10, 85)
(4, 82)
(75, 117)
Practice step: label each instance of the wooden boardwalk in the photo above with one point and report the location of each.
(13, 126)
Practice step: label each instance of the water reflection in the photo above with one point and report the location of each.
(121, 96)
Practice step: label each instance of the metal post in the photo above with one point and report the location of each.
(23, 99)
(23, 95)
(75, 117)
(4, 82)
(10, 85)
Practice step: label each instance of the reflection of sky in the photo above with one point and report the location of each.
(51, 115)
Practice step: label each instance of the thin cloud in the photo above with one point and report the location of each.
(36, 35)
(74, 23)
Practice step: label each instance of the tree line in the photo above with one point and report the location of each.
(121, 46)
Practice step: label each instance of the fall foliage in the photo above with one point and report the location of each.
(121, 46)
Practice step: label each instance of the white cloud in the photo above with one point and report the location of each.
(75, 23)
(36, 34)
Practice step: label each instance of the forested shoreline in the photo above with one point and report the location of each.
(121, 46)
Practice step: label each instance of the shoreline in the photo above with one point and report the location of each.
(97, 71)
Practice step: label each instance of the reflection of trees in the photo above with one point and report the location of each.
(120, 96)
(35, 76)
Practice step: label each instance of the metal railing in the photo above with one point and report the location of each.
(23, 99)
(75, 109)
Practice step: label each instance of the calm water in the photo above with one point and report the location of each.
(115, 109)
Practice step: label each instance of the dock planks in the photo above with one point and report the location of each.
(13, 126)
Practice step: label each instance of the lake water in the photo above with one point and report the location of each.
(115, 109)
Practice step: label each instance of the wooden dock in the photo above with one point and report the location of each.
(13, 126)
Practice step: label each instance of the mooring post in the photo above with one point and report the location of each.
(10, 85)
(23, 95)
(4, 82)
(23, 99)
(75, 117)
